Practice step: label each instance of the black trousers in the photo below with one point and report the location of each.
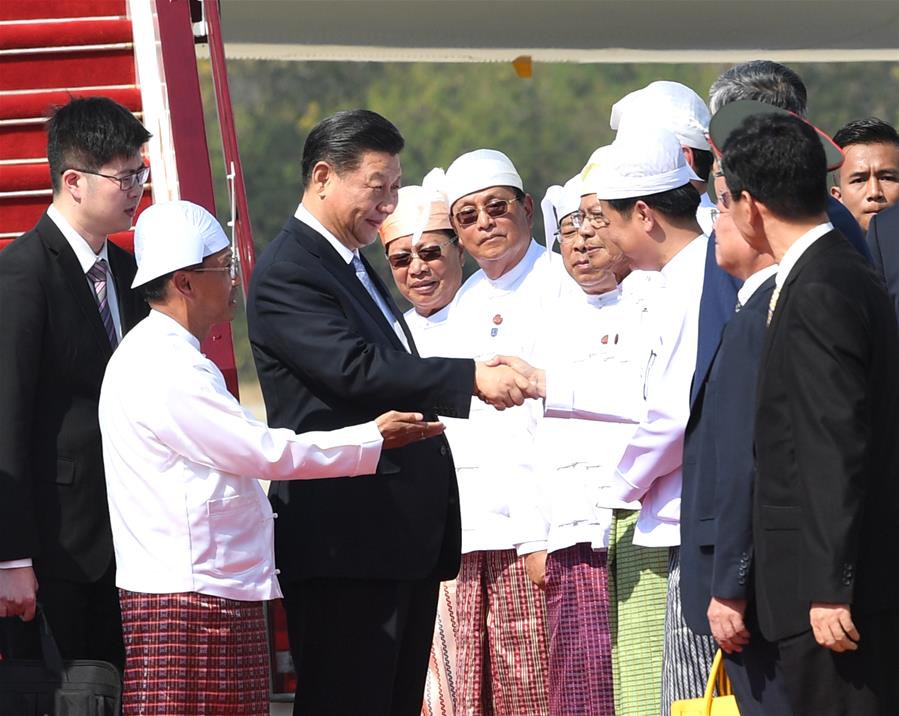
(360, 646)
(754, 675)
(84, 617)
(820, 682)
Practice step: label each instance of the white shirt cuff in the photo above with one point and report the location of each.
(16, 563)
(526, 548)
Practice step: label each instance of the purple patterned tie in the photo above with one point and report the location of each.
(97, 274)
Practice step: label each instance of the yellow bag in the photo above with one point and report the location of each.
(722, 705)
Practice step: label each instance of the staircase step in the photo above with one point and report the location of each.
(63, 33)
(67, 69)
(43, 9)
(29, 105)
(24, 177)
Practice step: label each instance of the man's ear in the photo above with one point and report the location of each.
(644, 214)
(688, 155)
(836, 193)
(322, 174)
(528, 204)
(72, 182)
(181, 283)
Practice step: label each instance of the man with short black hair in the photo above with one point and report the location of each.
(825, 436)
(868, 181)
(361, 560)
(65, 303)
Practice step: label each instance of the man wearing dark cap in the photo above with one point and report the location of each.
(826, 498)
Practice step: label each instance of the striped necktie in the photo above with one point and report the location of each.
(98, 274)
(773, 304)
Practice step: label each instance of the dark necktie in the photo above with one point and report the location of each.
(98, 274)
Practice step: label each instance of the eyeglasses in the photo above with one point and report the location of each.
(126, 182)
(494, 208)
(231, 268)
(596, 219)
(402, 259)
(724, 199)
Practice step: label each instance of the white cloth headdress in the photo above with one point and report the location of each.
(666, 104)
(477, 170)
(557, 203)
(174, 235)
(640, 162)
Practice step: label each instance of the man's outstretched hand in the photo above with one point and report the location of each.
(536, 377)
(501, 386)
(399, 429)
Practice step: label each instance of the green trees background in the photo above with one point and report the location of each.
(548, 125)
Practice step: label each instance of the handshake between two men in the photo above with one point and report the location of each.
(507, 381)
(502, 381)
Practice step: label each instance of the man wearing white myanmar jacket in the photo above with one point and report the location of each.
(192, 528)
(644, 189)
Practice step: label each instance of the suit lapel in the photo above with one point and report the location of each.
(75, 281)
(346, 276)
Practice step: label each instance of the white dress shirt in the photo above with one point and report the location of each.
(602, 335)
(493, 453)
(752, 284)
(651, 468)
(181, 458)
(799, 247)
(87, 258)
(303, 214)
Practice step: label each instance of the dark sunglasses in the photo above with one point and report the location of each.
(426, 253)
(494, 209)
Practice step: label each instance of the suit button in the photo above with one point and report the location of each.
(443, 450)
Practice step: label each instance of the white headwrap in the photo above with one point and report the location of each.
(593, 163)
(477, 170)
(174, 235)
(641, 162)
(418, 209)
(559, 202)
(671, 105)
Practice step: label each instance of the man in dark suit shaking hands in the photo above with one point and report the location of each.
(826, 500)
(65, 302)
(360, 563)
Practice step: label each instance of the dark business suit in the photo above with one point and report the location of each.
(716, 504)
(883, 241)
(327, 358)
(826, 501)
(52, 489)
(719, 292)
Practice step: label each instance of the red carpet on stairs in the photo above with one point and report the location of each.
(50, 52)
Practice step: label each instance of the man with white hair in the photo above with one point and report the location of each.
(191, 526)
(494, 312)
(647, 198)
